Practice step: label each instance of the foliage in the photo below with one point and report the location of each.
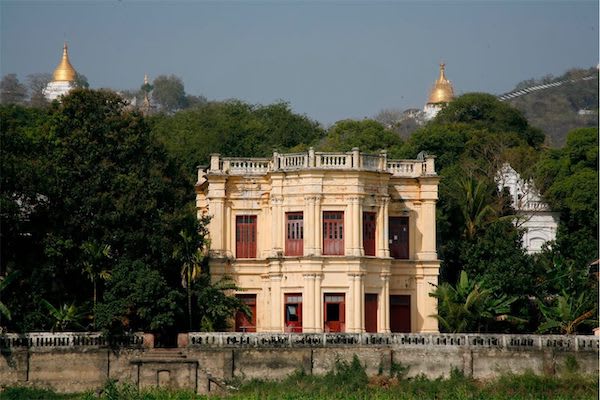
(66, 316)
(169, 93)
(566, 312)
(11, 90)
(37, 83)
(233, 128)
(555, 110)
(4, 282)
(368, 135)
(470, 306)
(216, 303)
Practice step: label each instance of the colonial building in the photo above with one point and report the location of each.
(63, 78)
(325, 242)
(441, 93)
(538, 222)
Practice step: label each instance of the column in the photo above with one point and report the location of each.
(217, 225)
(385, 303)
(351, 304)
(318, 226)
(308, 306)
(379, 229)
(318, 303)
(276, 309)
(277, 231)
(386, 227)
(309, 225)
(355, 226)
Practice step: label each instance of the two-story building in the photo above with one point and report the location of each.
(325, 242)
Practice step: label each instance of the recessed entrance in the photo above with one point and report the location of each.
(400, 313)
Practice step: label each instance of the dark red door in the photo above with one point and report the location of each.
(371, 312)
(398, 239)
(242, 322)
(334, 312)
(294, 239)
(369, 233)
(293, 312)
(333, 233)
(400, 313)
(245, 236)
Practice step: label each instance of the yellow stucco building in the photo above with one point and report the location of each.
(325, 242)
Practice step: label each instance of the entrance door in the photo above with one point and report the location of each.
(398, 239)
(242, 322)
(334, 312)
(293, 312)
(371, 312)
(400, 313)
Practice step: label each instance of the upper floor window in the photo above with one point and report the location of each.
(333, 233)
(245, 236)
(398, 239)
(294, 234)
(369, 233)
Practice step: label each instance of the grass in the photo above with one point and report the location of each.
(348, 381)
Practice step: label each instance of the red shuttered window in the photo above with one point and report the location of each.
(245, 236)
(333, 233)
(399, 237)
(294, 234)
(369, 233)
(243, 323)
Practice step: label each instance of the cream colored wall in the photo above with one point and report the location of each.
(272, 275)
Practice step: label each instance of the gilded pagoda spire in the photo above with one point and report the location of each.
(64, 72)
(442, 90)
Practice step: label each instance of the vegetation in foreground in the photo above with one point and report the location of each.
(349, 381)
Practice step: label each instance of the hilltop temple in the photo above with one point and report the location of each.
(63, 78)
(441, 93)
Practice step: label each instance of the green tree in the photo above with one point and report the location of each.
(67, 316)
(191, 255)
(566, 312)
(233, 128)
(4, 282)
(469, 306)
(11, 90)
(169, 93)
(94, 256)
(368, 135)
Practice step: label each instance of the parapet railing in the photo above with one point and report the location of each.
(69, 339)
(352, 160)
(473, 341)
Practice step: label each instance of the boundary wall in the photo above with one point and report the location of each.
(203, 362)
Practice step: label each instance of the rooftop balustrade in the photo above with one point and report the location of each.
(352, 160)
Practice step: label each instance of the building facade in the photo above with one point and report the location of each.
(325, 242)
(534, 217)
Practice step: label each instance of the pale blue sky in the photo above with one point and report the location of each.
(329, 59)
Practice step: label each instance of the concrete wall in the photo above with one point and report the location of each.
(206, 361)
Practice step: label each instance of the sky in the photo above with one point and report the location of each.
(330, 60)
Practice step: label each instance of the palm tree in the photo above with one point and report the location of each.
(65, 316)
(4, 282)
(93, 267)
(191, 255)
(474, 204)
(469, 306)
(566, 312)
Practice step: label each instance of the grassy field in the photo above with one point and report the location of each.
(349, 381)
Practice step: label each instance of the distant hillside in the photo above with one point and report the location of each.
(559, 104)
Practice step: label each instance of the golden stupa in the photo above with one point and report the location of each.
(65, 71)
(442, 91)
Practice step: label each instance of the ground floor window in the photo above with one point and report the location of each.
(334, 312)
(293, 312)
(243, 323)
